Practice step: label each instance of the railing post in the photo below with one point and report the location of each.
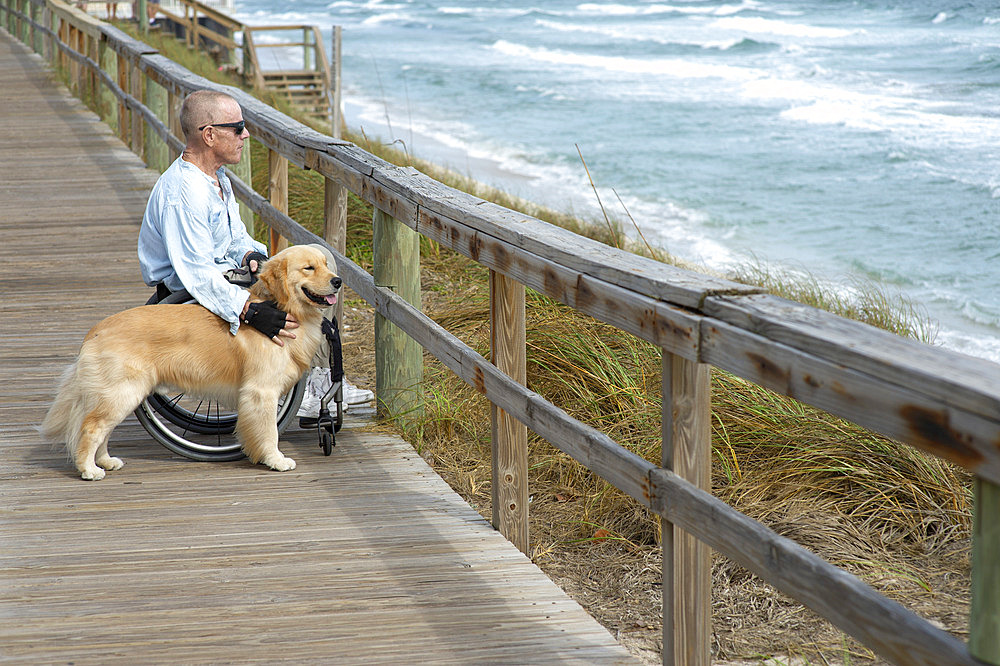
(135, 89)
(109, 63)
(36, 35)
(687, 565)
(509, 436)
(123, 113)
(335, 229)
(47, 44)
(399, 367)
(335, 119)
(308, 55)
(277, 188)
(157, 156)
(243, 170)
(74, 66)
(174, 123)
(984, 620)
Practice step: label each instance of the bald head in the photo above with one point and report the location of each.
(204, 107)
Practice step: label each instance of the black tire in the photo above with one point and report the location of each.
(202, 430)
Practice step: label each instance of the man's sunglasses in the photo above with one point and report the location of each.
(238, 126)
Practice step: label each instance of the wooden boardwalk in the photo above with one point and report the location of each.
(362, 557)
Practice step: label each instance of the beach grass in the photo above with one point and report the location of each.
(888, 513)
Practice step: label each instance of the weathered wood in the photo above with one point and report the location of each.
(157, 152)
(336, 119)
(509, 437)
(174, 123)
(984, 620)
(949, 377)
(687, 564)
(124, 118)
(904, 413)
(398, 357)
(883, 625)
(335, 225)
(665, 325)
(109, 102)
(243, 170)
(135, 89)
(277, 187)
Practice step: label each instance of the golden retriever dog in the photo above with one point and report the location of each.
(186, 348)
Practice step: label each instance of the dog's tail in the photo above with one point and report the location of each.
(64, 419)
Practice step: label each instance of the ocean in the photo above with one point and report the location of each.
(853, 140)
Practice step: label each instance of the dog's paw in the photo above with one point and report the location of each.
(280, 464)
(94, 473)
(111, 463)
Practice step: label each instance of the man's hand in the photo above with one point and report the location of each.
(270, 321)
(253, 261)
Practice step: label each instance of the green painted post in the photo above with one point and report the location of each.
(984, 621)
(398, 358)
(109, 104)
(157, 153)
(243, 172)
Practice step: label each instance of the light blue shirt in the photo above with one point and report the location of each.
(190, 236)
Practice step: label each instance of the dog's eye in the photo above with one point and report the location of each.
(309, 268)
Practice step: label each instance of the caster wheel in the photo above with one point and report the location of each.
(326, 441)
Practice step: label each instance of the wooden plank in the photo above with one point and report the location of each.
(949, 377)
(883, 625)
(664, 325)
(335, 225)
(277, 187)
(984, 619)
(904, 413)
(687, 563)
(509, 438)
(398, 358)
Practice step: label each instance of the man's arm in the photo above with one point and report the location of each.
(189, 245)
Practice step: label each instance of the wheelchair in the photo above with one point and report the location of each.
(205, 430)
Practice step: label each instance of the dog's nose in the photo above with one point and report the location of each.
(336, 282)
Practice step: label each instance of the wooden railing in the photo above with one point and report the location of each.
(307, 87)
(944, 403)
(216, 36)
(309, 84)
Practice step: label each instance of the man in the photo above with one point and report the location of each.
(192, 233)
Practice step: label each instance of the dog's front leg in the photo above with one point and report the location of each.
(257, 427)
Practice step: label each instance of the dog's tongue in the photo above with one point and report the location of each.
(331, 299)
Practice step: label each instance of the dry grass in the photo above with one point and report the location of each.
(889, 514)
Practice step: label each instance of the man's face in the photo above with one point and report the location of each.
(226, 142)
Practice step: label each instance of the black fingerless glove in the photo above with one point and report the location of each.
(255, 256)
(265, 317)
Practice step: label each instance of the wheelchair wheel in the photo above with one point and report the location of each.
(201, 429)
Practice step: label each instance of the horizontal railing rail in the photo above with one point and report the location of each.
(944, 403)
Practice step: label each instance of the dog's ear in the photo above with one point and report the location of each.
(273, 276)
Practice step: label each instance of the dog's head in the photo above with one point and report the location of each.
(299, 279)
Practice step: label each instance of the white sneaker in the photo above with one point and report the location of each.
(318, 383)
(356, 396)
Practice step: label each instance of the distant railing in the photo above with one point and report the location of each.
(203, 27)
(309, 83)
(308, 86)
(944, 403)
